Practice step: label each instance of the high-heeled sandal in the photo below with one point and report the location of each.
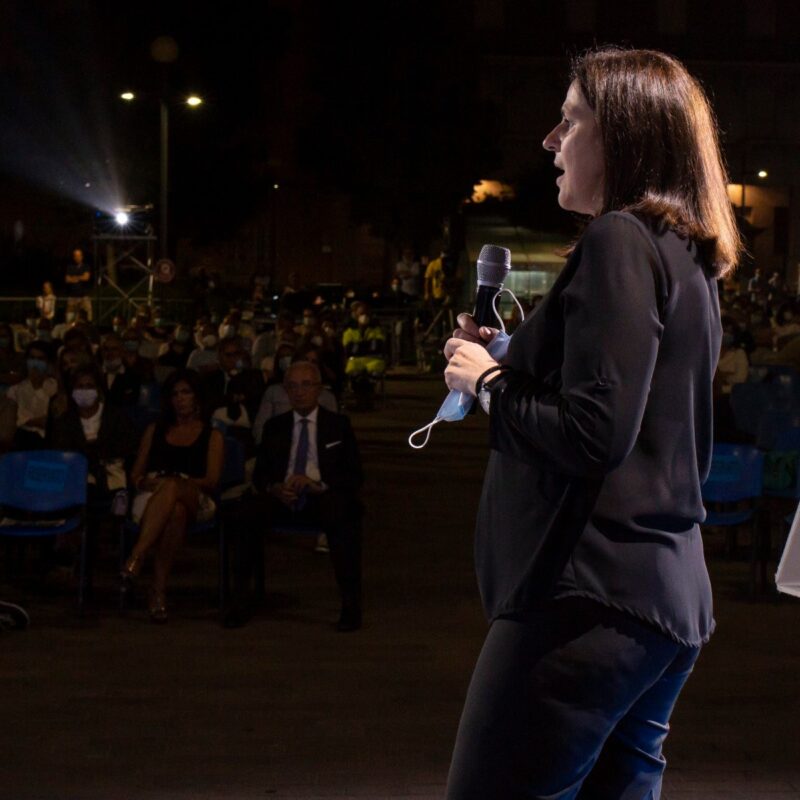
(157, 607)
(132, 568)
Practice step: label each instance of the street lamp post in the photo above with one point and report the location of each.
(164, 180)
(193, 101)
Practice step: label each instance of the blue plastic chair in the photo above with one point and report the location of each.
(748, 402)
(774, 427)
(736, 476)
(44, 492)
(233, 474)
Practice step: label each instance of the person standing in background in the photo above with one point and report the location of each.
(78, 280)
(407, 270)
(46, 302)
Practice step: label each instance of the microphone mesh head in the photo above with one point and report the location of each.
(494, 263)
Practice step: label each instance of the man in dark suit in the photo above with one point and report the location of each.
(234, 382)
(308, 470)
(122, 386)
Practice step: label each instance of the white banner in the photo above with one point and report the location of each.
(787, 578)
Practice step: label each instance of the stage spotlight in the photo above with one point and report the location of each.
(121, 218)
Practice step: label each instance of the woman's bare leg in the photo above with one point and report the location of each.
(169, 543)
(159, 510)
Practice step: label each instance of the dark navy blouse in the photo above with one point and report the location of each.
(601, 435)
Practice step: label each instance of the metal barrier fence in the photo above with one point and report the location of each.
(18, 309)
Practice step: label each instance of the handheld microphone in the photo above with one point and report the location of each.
(494, 264)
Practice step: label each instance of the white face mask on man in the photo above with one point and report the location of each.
(84, 398)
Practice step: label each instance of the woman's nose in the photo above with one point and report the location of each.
(551, 141)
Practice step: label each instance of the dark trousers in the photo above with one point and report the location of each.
(572, 701)
(335, 513)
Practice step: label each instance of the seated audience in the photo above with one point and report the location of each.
(92, 426)
(122, 386)
(12, 363)
(364, 344)
(234, 376)
(205, 356)
(32, 398)
(275, 399)
(178, 349)
(134, 361)
(733, 368)
(308, 470)
(177, 470)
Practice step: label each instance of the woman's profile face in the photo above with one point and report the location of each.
(578, 150)
(183, 399)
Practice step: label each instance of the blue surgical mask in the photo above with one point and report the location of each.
(455, 407)
(457, 404)
(131, 345)
(37, 364)
(44, 336)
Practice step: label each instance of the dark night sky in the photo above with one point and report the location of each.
(379, 99)
(365, 97)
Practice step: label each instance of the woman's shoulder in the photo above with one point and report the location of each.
(620, 224)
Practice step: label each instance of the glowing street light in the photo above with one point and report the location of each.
(193, 101)
(122, 218)
(762, 173)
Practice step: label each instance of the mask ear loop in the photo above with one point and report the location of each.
(497, 313)
(428, 428)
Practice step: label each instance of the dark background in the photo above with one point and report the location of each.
(374, 119)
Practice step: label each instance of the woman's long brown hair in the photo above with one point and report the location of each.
(661, 150)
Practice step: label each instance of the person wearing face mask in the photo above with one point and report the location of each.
(364, 344)
(228, 328)
(178, 349)
(12, 363)
(32, 398)
(98, 430)
(44, 334)
(234, 377)
(205, 356)
(133, 360)
(785, 326)
(122, 386)
(119, 325)
(733, 368)
(588, 548)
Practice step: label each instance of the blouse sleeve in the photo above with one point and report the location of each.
(612, 331)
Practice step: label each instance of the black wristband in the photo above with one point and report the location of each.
(482, 377)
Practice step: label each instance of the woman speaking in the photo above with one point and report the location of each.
(588, 549)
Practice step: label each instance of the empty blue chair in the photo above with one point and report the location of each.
(43, 493)
(736, 477)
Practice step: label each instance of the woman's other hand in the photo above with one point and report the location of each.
(468, 361)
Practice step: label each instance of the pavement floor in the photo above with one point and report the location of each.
(106, 706)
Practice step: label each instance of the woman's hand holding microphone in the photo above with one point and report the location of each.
(466, 354)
